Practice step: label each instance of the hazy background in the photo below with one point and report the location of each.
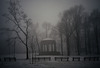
(43, 11)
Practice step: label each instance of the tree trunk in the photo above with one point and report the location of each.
(14, 46)
(89, 46)
(86, 42)
(61, 44)
(68, 46)
(32, 55)
(78, 51)
(96, 36)
(37, 44)
(78, 43)
(27, 57)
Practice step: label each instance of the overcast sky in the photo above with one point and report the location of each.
(47, 10)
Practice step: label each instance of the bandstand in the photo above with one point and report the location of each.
(48, 47)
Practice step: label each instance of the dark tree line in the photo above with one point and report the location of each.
(21, 25)
(77, 24)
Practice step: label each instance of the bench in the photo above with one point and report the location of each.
(44, 58)
(35, 59)
(75, 58)
(91, 58)
(9, 59)
(41, 58)
(47, 58)
(62, 58)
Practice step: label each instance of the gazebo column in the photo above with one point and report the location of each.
(47, 47)
(54, 47)
(41, 48)
(44, 48)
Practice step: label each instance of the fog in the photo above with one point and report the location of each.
(44, 11)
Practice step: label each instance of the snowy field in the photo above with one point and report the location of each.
(22, 63)
(50, 64)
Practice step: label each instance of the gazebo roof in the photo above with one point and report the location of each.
(48, 39)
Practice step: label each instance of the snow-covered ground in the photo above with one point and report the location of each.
(22, 63)
(50, 64)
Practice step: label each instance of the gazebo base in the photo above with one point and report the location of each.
(50, 53)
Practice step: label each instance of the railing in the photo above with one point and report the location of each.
(8, 59)
(56, 58)
(62, 58)
(77, 58)
(41, 58)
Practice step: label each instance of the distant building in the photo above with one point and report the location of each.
(48, 47)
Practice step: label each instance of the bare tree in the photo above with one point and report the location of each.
(95, 19)
(60, 31)
(12, 41)
(47, 27)
(64, 28)
(20, 21)
(69, 25)
(77, 16)
(86, 31)
(32, 47)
